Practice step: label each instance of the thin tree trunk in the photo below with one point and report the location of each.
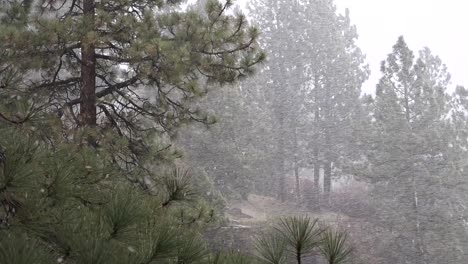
(280, 159)
(316, 147)
(296, 168)
(298, 183)
(327, 167)
(327, 177)
(316, 179)
(419, 240)
(88, 69)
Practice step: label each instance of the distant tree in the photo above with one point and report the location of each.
(236, 152)
(336, 73)
(410, 153)
(233, 152)
(314, 75)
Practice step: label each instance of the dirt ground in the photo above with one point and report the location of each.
(249, 218)
(260, 209)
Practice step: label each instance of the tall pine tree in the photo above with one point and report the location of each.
(130, 67)
(315, 72)
(410, 156)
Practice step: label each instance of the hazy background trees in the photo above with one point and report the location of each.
(303, 119)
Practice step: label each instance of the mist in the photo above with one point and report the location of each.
(219, 131)
(374, 146)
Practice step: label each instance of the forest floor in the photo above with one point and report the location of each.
(248, 218)
(260, 209)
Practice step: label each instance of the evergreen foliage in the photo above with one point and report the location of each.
(130, 67)
(92, 94)
(301, 234)
(411, 158)
(96, 97)
(314, 76)
(334, 247)
(298, 239)
(69, 203)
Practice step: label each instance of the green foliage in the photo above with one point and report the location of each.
(177, 187)
(295, 238)
(301, 234)
(411, 152)
(313, 79)
(95, 187)
(334, 248)
(152, 65)
(192, 250)
(271, 248)
(19, 249)
(70, 203)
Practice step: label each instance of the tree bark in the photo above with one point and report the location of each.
(296, 168)
(88, 68)
(316, 147)
(421, 252)
(327, 166)
(281, 157)
(316, 179)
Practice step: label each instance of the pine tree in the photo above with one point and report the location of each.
(70, 204)
(295, 239)
(92, 93)
(316, 72)
(236, 151)
(130, 67)
(409, 157)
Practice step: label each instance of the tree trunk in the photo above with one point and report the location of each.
(296, 168)
(327, 166)
(316, 147)
(327, 169)
(281, 157)
(420, 248)
(316, 179)
(298, 183)
(88, 68)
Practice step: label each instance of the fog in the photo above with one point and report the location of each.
(253, 131)
(301, 136)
